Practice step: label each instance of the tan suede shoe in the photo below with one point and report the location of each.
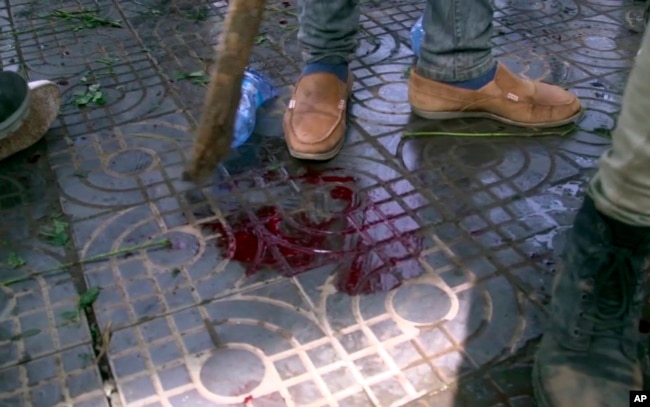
(508, 98)
(314, 122)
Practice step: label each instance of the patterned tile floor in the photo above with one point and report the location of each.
(465, 226)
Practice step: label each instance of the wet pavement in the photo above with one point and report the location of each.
(407, 271)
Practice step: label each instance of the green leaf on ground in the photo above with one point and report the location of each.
(108, 61)
(92, 94)
(88, 298)
(198, 15)
(14, 261)
(85, 18)
(86, 358)
(603, 132)
(26, 334)
(85, 300)
(60, 236)
(70, 315)
(197, 77)
(57, 232)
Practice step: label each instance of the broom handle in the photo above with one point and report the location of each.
(216, 127)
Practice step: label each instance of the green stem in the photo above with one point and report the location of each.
(103, 256)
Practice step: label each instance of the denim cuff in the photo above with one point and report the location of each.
(334, 58)
(455, 68)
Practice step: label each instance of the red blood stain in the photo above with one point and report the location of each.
(248, 399)
(372, 248)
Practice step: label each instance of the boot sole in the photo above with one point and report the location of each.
(44, 106)
(16, 119)
(485, 115)
(540, 397)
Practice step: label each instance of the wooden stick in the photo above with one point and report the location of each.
(215, 132)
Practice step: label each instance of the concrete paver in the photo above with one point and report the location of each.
(434, 253)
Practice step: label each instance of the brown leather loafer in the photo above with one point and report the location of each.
(508, 98)
(314, 122)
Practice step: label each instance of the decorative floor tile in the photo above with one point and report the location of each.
(410, 270)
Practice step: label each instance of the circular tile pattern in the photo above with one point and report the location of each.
(599, 43)
(527, 5)
(7, 303)
(533, 66)
(185, 247)
(394, 92)
(593, 135)
(461, 157)
(232, 372)
(421, 303)
(468, 176)
(378, 48)
(595, 121)
(309, 220)
(476, 156)
(292, 220)
(131, 162)
(529, 10)
(383, 97)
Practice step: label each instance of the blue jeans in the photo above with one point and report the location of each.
(456, 45)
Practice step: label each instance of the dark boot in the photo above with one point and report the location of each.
(588, 358)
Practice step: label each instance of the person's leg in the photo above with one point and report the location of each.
(588, 357)
(327, 35)
(456, 75)
(621, 187)
(457, 42)
(314, 123)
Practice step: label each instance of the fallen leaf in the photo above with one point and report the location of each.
(27, 334)
(14, 261)
(88, 298)
(70, 315)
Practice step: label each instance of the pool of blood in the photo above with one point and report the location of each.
(266, 238)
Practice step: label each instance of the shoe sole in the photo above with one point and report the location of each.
(540, 397)
(44, 106)
(328, 155)
(16, 119)
(438, 116)
(319, 156)
(485, 115)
